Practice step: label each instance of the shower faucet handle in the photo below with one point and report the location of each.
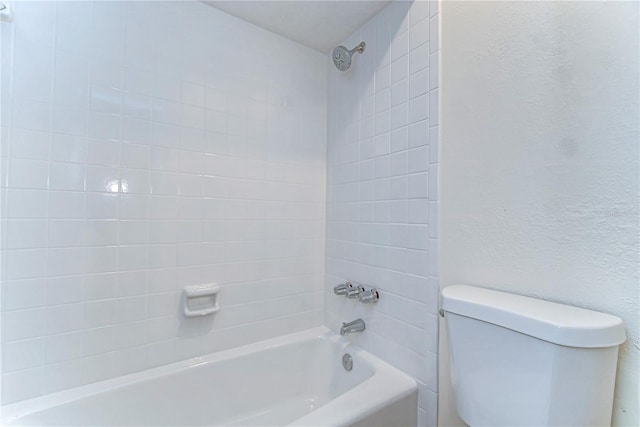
(369, 296)
(342, 289)
(354, 291)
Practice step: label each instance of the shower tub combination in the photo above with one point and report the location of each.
(296, 379)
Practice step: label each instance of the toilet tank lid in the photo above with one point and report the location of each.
(557, 323)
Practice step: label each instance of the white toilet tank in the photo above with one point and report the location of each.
(520, 361)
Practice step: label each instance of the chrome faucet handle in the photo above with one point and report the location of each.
(369, 296)
(342, 289)
(354, 291)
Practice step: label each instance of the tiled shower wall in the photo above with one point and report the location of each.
(382, 191)
(147, 146)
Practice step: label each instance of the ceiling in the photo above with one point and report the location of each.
(320, 25)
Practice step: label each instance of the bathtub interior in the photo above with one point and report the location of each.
(275, 386)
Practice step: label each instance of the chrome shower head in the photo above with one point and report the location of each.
(342, 56)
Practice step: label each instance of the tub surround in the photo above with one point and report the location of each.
(149, 146)
(382, 191)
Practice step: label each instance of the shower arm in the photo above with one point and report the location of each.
(359, 48)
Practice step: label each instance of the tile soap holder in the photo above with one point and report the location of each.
(201, 300)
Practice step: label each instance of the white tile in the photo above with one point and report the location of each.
(398, 163)
(418, 159)
(32, 71)
(433, 220)
(136, 206)
(399, 45)
(64, 346)
(101, 259)
(104, 125)
(165, 111)
(63, 375)
(419, 11)
(25, 263)
(419, 83)
(103, 152)
(102, 205)
(99, 340)
(23, 234)
(103, 179)
(399, 116)
(27, 144)
(66, 233)
(68, 148)
(21, 385)
(434, 61)
(419, 108)
(65, 261)
(24, 173)
(133, 232)
(193, 94)
(137, 80)
(100, 313)
(71, 80)
(434, 144)
(74, 28)
(434, 103)
(24, 354)
(419, 34)
(36, 24)
(106, 100)
(434, 7)
(100, 286)
(162, 256)
(101, 233)
(66, 176)
(137, 106)
(24, 204)
(419, 133)
(418, 211)
(399, 69)
(31, 115)
(63, 318)
(434, 34)
(22, 294)
(131, 309)
(136, 131)
(64, 290)
(399, 139)
(133, 257)
(165, 135)
(106, 74)
(419, 59)
(69, 120)
(134, 181)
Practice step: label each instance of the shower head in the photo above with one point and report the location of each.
(342, 56)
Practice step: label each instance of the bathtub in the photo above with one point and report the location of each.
(295, 379)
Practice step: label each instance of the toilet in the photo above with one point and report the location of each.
(521, 361)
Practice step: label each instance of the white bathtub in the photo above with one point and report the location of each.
(296, 379)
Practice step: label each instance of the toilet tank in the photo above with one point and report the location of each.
(521, 361)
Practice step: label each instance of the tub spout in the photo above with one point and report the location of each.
(351, 327)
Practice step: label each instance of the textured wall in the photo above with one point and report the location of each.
(382, 191)
(539, 165)
(147, 146)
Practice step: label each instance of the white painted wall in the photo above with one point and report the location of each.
(218, 128)
(382, 191)
(540, 161)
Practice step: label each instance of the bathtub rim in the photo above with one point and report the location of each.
(337, 412)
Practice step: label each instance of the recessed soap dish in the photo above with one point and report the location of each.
(201, 300)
